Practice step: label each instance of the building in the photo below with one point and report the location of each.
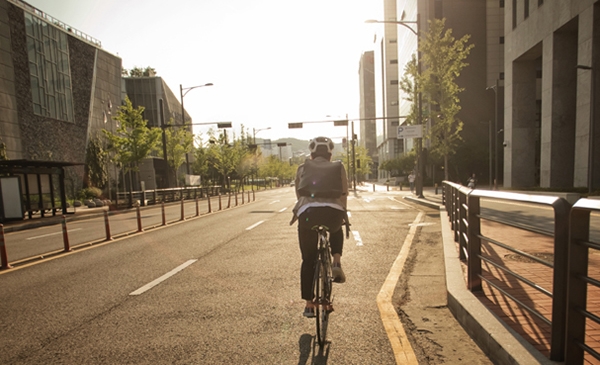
(58, 85)
(149, 92)
(367, 110)
(551, 132)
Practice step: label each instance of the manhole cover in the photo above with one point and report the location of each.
(541, 255)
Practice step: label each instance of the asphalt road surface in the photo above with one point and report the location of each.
(224, 289)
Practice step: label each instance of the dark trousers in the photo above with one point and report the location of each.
(325, 216)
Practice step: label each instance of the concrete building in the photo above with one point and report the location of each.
(57, 87)
(367, 113)
(552, 135)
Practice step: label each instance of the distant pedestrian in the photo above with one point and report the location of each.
(411, 181)
(472, 182)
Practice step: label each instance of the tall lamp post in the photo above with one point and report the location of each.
(591, 130)
(254, 131)
(495, 88)
(407, 25)
(187, 90)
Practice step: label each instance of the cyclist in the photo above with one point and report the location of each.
(322, 192)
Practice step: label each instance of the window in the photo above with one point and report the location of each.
(540, 2)
(49, 71)
(526, 8)
(393, 41)
(514, 14)
(502, 40)
(393, 82)
(501, 76)
(501, 3)
(394, 62)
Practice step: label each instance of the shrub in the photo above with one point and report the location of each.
(90, 193)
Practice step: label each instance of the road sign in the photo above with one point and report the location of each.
(294, 125)
(410, 131)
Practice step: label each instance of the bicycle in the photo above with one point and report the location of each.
(323, 280)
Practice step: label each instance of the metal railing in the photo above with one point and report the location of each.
(579, 282)
(463, 205)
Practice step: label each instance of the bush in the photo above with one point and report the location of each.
(90, 193)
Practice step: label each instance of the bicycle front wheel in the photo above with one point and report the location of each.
(323, 304)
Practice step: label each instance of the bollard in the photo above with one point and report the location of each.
(209, 207)
(107, 226)
(65, 234)
(3, 256)
(229, 201)
(436, 189)
(220, 204)
(197, 208)
(182, 211)
(248, 196)
(162, 208)
(139, 219)
(253, 196)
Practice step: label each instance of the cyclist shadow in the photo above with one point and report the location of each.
(310, 350)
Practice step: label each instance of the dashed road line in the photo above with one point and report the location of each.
(51, 234)
(154, 283)
(255, 225)
(357, 238)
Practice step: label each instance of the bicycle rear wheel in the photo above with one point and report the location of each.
(323, 304)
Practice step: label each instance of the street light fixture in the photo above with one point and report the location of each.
(187, 90)
(254, 131)
(417, 32)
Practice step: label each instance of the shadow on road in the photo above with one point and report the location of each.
(308, 347)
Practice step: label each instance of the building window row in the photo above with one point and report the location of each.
(49, 70)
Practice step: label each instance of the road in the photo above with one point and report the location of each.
(224, 289)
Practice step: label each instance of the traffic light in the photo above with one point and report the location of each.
(294, 125)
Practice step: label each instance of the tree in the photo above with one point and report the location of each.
(179, 143)
(133, 141)
(443, 59)
(96, 164)
(400, 166)
(3, 155)
(361, 157)
(409, 85)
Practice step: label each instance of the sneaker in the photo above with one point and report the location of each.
(309, 312)
(338, 274)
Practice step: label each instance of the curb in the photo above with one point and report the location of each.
(498, 341)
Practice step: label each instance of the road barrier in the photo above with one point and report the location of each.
(220, 204)
(209, 207)
(3, 255)
(164, 218)
(139, 219)
(65, 234)
(569, 266)
(182, 210)
(197, 207)
(107, 226)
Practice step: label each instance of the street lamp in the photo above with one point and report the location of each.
(187, 90)
(591, 130)
(254, 131)
(495, 88)
(417, 32)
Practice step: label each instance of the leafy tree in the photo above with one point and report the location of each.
(96, 163)
(400, 166)
(133, 141)
(409, 85)
(443, 59)
(179, 143)
(136, 72)
(361, 157)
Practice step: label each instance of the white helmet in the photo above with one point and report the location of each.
(320, 141)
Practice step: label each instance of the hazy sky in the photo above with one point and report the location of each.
(271, 61)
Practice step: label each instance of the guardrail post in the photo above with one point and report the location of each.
(139, 219)
(107, 226)
(253, 196)
(577, 297)
(208, 200)
(182, 210)
(474, 245)
(65, 234)
(162, 210)
(248, 196)
(559, 291)
(229, 201)
(220, 204)
(197, 208)
(3, 255)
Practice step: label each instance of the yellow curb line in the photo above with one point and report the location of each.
(403, 351)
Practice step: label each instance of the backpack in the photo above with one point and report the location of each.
(321, 179)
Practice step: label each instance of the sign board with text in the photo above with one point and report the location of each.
(410, 131)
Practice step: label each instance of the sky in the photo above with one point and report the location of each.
(271, 62)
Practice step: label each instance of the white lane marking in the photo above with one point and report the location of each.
(357, 238)
(367, 200)
(274, 201)
(255, 225)
(397, 208)
(154, 283)
(282, 210)
(400, 202)
(421, 224)
(349, 214)
(52, 234)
